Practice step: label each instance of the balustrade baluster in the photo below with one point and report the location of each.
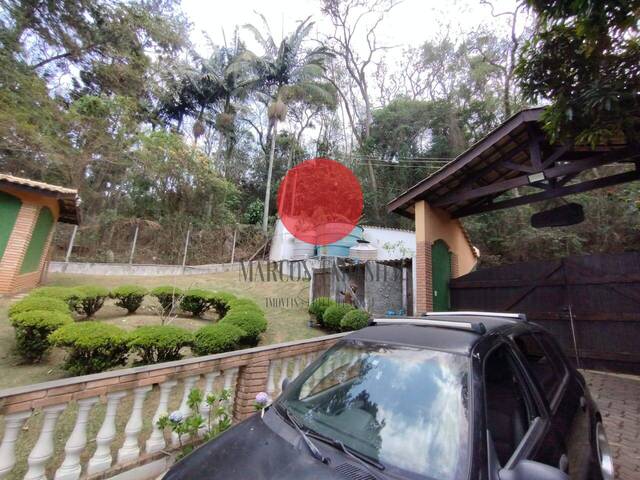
(209, 380)
(71, 468)
(296, 367)
(156, 441)
(43, 449)
(284, 367)
(271, 387)
(101, 459)
(230, 379)
(189, 383)
(130, 449)
(13, 423)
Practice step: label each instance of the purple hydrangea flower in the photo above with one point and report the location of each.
(176, 416)
(262, 398)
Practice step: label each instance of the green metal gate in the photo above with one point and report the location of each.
(440, 275)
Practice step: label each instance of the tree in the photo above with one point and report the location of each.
(585, 58)
(285, 72)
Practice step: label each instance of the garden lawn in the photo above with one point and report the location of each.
(286, 322)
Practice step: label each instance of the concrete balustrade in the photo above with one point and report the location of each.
(140, 396)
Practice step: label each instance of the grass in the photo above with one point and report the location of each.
(287, 321)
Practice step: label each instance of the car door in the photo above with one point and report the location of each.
(566, 444)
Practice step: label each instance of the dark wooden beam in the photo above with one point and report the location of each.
(555, 156)
(535, 154)
(552, 193)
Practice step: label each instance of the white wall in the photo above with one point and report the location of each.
(391, 243)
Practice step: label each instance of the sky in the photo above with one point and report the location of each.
(409, 23)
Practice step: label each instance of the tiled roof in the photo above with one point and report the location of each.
(38, 185)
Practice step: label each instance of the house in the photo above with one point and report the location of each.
(29, 211)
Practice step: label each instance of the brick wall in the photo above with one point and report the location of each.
(423, 293)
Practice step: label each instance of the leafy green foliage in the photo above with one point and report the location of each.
(129, 296)
(31, 303)
(221, 302)
(354, 320)
(90, 299)
(218, 338)
(92, 346)
(32, 329)
(334, 314)
(68, 294)
(318, 306)
(196, 301)
(584, 57)
(251, 322)
(168, 296)
(159, 343)
(253, 213)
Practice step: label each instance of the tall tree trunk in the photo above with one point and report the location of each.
(267, 193)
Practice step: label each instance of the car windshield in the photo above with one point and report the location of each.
(405, 407)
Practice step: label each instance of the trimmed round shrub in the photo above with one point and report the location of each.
(91, 299)
(159, 343)
(318, 307)
(32, 329)
(167, 295)
(220, 302)
(244, 304)
(69, 295)
(354, 320)
(92, 346)
(129, 297)
(196, 301)
(252, 324)
(333, 315)
(30, 303)
(218, 338)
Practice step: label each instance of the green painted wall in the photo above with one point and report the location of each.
(441, 274)
(9, 210)
(41, 231)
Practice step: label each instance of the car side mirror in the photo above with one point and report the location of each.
(285, 383)
(530, 470)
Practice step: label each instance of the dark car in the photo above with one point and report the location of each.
(447, 396)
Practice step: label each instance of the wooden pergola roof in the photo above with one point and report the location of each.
(67, 198)
(516, 154)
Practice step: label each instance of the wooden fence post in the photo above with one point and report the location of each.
(186, 248)
(133, 245)
(71, 242)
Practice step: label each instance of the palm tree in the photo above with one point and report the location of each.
(285, 72)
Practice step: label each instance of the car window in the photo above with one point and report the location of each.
(509, 408)
(405, 407)
(542, 362)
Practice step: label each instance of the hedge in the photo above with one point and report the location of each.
(196, 301)
(30, 303)
(92, 346)
(91, 299)
(220, 302)
(218, 338)
(32, 329)
(354, 320)
(252, 324)
(69, 295)
(129, 297)
(159, 343)
(318, 307)
(167, 295)
(333, 315)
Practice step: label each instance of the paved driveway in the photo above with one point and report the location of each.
(618, 397)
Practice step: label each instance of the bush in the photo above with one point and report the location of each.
(354, 320)
(196, 301)
(66, 294)
(220, 302)
(167, 296)
(318, 307)
(218, 338)
(159, 343)
(252, 323)
(91, 299)
(333, 315)
(92, 346)
(244, 304)
(32, 329)
(29, 304)
(129, 297)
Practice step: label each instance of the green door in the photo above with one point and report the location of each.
(9, 210)
(39, 237)
(440, 275)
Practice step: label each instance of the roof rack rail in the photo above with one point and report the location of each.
(477, 327)
(511, 316)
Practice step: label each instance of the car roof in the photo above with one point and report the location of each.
(442, 338)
